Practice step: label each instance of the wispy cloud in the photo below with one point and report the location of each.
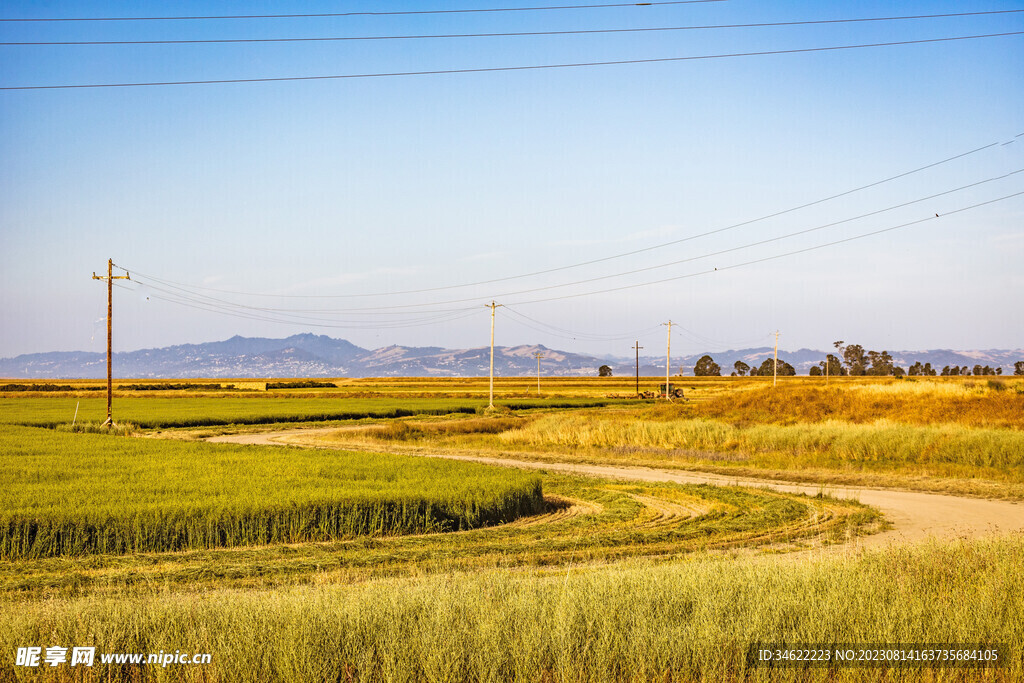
(334, 282)
(643, 235)
(484, 256)
(1009, 239)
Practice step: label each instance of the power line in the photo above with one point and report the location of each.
(185, 294)
(192, 288)
(771, 258)
(570, 334)
(204, 302)
(514, 34)
(495, 69)
(367, 14)
(309, 322)
(448, 318)
(296, 317)
(564, 333)
(264, 317)
(759, 242)
(532, 290)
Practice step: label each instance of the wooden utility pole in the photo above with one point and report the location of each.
(538, 355)
(110, 310)
(492, 306)
(668, 357)
(775, 369)
(637, 347)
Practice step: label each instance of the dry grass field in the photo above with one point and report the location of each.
(941, 434)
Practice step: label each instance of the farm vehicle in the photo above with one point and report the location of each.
(673, 392)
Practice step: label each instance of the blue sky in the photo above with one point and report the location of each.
(298, 191)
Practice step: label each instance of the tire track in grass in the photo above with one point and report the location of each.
(664, 512)
(564, 508)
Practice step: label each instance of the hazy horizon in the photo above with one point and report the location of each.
(653, 352)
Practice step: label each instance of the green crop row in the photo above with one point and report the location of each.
(72, 494)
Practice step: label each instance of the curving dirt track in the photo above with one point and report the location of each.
(914, 516)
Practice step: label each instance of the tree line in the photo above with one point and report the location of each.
(851, 360)
(707, 367)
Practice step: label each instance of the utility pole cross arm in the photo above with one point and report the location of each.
(637, 347)
(492, 306)
(538, 355)
(668, 359)
(110, 277)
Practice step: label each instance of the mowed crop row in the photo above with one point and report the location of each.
(587, 521)
(74, 494)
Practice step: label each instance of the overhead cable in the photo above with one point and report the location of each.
(496, 69)
(556, 331)
(773, 257)
(532, 290)
(366, 14)
(306, 320)
(266, 318)
(514, 34)
(597, 260)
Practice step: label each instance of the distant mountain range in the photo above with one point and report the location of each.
(309, 355)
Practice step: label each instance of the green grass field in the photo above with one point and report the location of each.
(72, 494)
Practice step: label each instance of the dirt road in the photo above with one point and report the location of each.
(914, 516)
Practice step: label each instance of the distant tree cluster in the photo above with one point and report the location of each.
(766, 369)
(926, 370)
(861, 362)
(707, 367)
(977, 371)
(858, 362)
(853, 360)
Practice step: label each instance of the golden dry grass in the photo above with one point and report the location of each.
(940, 434)
(917, 403)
